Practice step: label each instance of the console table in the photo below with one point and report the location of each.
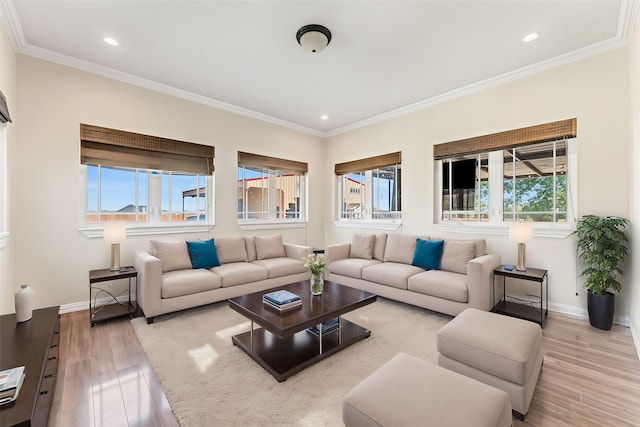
(34, 345)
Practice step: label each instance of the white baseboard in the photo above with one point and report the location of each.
(582, 312)
(84, 305)
(635, 334)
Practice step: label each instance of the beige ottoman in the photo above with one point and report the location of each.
(498, 350)
(408, 391)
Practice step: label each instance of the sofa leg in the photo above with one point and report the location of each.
(150, 320)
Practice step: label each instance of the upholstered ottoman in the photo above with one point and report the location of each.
(408, 391)
(498, 350)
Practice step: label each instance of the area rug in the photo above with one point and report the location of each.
(210, 382)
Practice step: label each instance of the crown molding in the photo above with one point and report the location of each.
(628, 12)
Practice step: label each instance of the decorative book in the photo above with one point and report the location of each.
(10, 382)
(282, 307)
(281, 297)
(329, 326)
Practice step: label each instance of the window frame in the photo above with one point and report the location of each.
(4, 188)
(273, 169)
(496, 225)
(368, 167)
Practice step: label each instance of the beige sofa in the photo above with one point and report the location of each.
(382, 264)
(167, 282)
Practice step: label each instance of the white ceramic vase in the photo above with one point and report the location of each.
(24, 303)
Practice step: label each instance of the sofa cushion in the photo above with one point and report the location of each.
(378, 247)
(185, 282)
(400, 248)
(351, 267)
(203, 254)
(269, 246)
(456, 255)
(362, 246)
(238, 273)
(230, 249)
(390, 274)
(441, 284)
(250, 245)
(427, 254)
(283, 266)
(173, 255)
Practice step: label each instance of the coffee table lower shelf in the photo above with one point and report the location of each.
(283, 357)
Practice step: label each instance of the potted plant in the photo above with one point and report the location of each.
(601, 246)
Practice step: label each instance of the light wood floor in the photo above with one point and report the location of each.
(589, 378)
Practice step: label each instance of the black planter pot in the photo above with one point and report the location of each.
(601, 309)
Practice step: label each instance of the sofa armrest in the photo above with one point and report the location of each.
(298, 252)
(480, 275)
(338, 251)
(149, 282)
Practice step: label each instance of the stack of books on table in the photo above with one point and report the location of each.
(329, 326)
(282, 300)
(10, 382)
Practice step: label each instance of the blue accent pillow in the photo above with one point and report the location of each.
(427, 254)
(203, 254)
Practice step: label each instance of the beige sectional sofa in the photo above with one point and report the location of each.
(167, 282)
(382, 264)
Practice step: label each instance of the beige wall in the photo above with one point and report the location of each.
(8, 87)
(51, 255)
(634, 263)
(595, 91)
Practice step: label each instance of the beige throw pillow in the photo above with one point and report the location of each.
(400, 248)
(362, 246)
(230, 249)
(269, 247)
(456, 255)
(173, 255)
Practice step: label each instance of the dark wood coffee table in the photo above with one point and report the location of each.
(282, 345)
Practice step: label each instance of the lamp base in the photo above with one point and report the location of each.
(115, 257)
(522, 252)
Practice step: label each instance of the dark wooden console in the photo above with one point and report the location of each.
(33, 344)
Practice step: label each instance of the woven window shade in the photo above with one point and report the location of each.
(508, 139)
(369, 163)
(111, 147)
(4, 109)
(257, 161)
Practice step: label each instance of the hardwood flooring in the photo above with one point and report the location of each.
(589, 378)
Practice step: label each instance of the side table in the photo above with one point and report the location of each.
(523, 311)
(114, 307)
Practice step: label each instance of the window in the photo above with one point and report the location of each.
(369, 189)
(511, 176)
(4, 119)
(145, 180)
(270, 189)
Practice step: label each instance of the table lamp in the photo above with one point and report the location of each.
(115, 233)
(521, 233)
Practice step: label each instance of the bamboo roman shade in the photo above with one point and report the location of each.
(111, 147)
(508, 139)
(368, 163)
(4, 109)
(257, 161)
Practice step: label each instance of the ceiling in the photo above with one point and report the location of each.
(385, 57)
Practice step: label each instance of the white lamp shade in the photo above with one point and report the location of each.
(314, 41)
(520, 232)
(115, 232)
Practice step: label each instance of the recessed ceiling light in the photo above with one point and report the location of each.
(110, 41)
(324, 117)
(530, 37)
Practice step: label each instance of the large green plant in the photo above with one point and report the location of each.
(601, 245)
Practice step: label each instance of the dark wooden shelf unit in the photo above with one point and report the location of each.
(535, 313)
(33, 344)
(116, 308)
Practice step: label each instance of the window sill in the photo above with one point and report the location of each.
(4, 239)
(267, 225)
(378, 225)
(146, 229)
(539, 230)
